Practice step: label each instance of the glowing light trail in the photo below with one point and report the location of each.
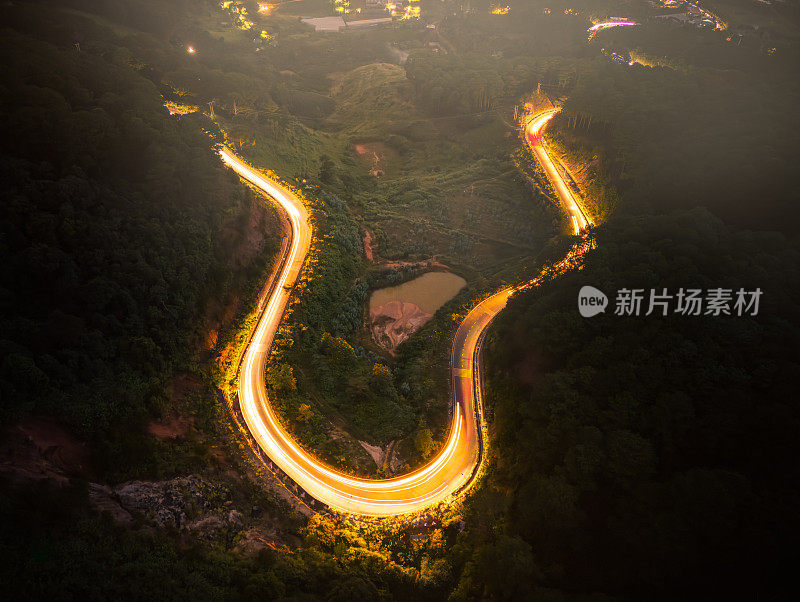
(534, 133)
(454, 466)
(592, 31)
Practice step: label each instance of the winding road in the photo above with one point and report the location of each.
(533, 131)
(457, 462)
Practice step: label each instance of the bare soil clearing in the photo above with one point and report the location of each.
(38, 448)
(397, 312)
(376, 157)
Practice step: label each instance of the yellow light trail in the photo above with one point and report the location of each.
(533, 131)
(454, 466)
(592, 31)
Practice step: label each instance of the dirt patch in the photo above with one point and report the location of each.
(375, 451)
(415, 265)
(245, 244)
(247, 241)
(376, 157)
(38, 448)
(175, 427)
(358, 457)
(368, 245)
(396, 312)
(252, 541)
(580, 170)
(395, 321)
(387, 458)
(580, 173)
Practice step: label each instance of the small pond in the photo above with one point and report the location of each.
(428, 292)
(396, 312)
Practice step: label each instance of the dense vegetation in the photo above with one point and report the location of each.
(632, 457)
(638, 466)
(651, 454)
(446, 178)
(353, 385)
(55, 548)
(727, 129)
(111, 237)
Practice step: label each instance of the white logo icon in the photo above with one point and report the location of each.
(591, 301)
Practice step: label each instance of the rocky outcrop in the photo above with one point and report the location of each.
(214, 527)
(198, 508)
(103, 499)
(37, 448)
(173, 503)
(188, 504)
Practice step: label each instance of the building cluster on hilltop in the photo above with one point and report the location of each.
(689, 14)
(402, 9)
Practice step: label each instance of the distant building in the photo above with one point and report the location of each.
(336, 24)
(367, 23)
(327, 24)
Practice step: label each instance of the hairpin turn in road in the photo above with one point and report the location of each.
(457, 462)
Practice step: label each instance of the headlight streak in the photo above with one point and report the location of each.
(454, 466)
(592, 31)
(534, 135)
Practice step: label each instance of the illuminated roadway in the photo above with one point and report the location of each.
(456, 463)
(533, 132)
(592, 31)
